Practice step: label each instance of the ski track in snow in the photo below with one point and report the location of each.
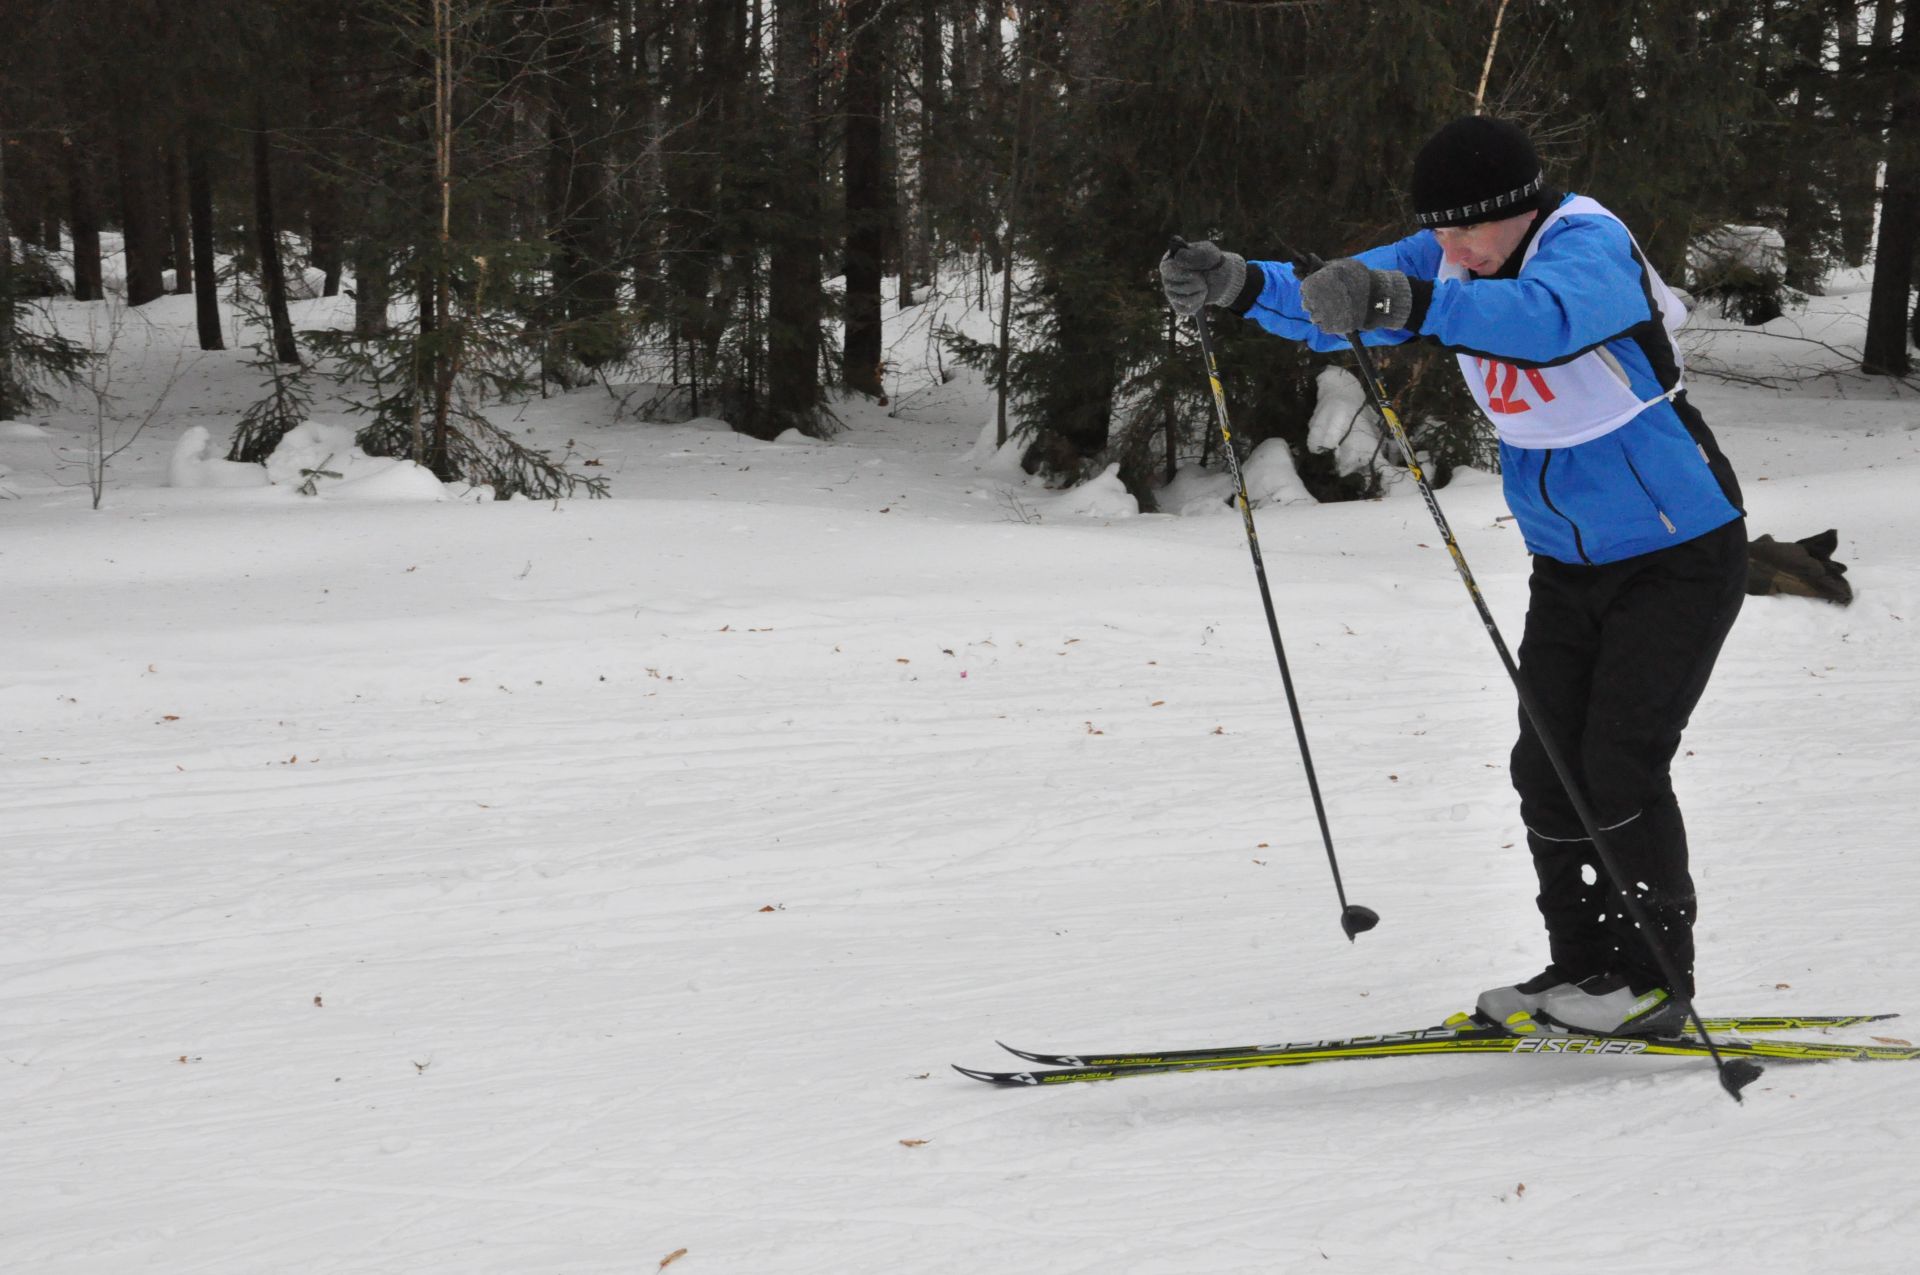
(552, 887)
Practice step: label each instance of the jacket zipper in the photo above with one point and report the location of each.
(1648, 493)
(1579, 546)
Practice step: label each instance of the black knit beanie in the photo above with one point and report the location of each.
(1475, 169)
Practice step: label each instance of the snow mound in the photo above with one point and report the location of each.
(1196, 492)
(1344, 423)
(327, 456)
(994, 456)
(1102, 497)
(194, 465)
(28, 458)
(1272, 479)
(395, 480)
(1200, 492)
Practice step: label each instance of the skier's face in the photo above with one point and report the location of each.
(1484, 246)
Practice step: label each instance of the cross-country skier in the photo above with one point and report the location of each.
(1564, 334)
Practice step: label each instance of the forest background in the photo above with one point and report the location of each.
(706, 194)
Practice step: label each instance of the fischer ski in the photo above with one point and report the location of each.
(1461, 1034)
(1740, 1024)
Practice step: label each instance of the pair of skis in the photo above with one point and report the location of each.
(1463, 1034)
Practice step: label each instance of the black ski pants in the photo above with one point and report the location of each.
(1616, 657)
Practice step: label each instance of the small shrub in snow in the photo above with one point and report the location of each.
(1743, 269)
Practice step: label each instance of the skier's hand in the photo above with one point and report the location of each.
(1345, 296)
(1199, 274)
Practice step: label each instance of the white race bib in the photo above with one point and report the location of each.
(1572, 402)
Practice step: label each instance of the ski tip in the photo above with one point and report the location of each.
(1044, 1060)
(988, 1077)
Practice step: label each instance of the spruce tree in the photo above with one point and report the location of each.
(864, 180)
(795, 300)
(35, 360)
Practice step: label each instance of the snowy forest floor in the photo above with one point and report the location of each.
(395, 884)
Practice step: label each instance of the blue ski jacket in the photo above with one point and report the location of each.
(1653, 481)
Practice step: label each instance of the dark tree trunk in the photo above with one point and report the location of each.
(1888, 315)
(83, 214)
(206, 282)
(1889, 319)
(179, 220)
(27, 202)
(865, 180)
(794, 301)
(1804, 33)
(705, 203)
(142, 205)
(430, 436)
(1072, 406)
(372, 291)
(684, 178)
(638, 229)
(919, 260)
(559, 181)
(327, 98)
(372, 270)
(579, 213)
(8, 307)
(438, 336)
(1859, 163)
(903, 201)
(273, 279)
(323, 226)
(1011, 217)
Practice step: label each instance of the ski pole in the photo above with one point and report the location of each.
(1735, 1074)
(1354, 919)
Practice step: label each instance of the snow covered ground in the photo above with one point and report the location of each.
(396, 884)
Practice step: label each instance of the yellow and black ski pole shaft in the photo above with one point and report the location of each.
(1735, 1074)
(1354, 919)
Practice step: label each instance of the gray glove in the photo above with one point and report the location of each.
(1346, 296)
(1198, 275)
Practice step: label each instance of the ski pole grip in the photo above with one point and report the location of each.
(1304, 263)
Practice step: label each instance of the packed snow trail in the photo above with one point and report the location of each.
(395, 884)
